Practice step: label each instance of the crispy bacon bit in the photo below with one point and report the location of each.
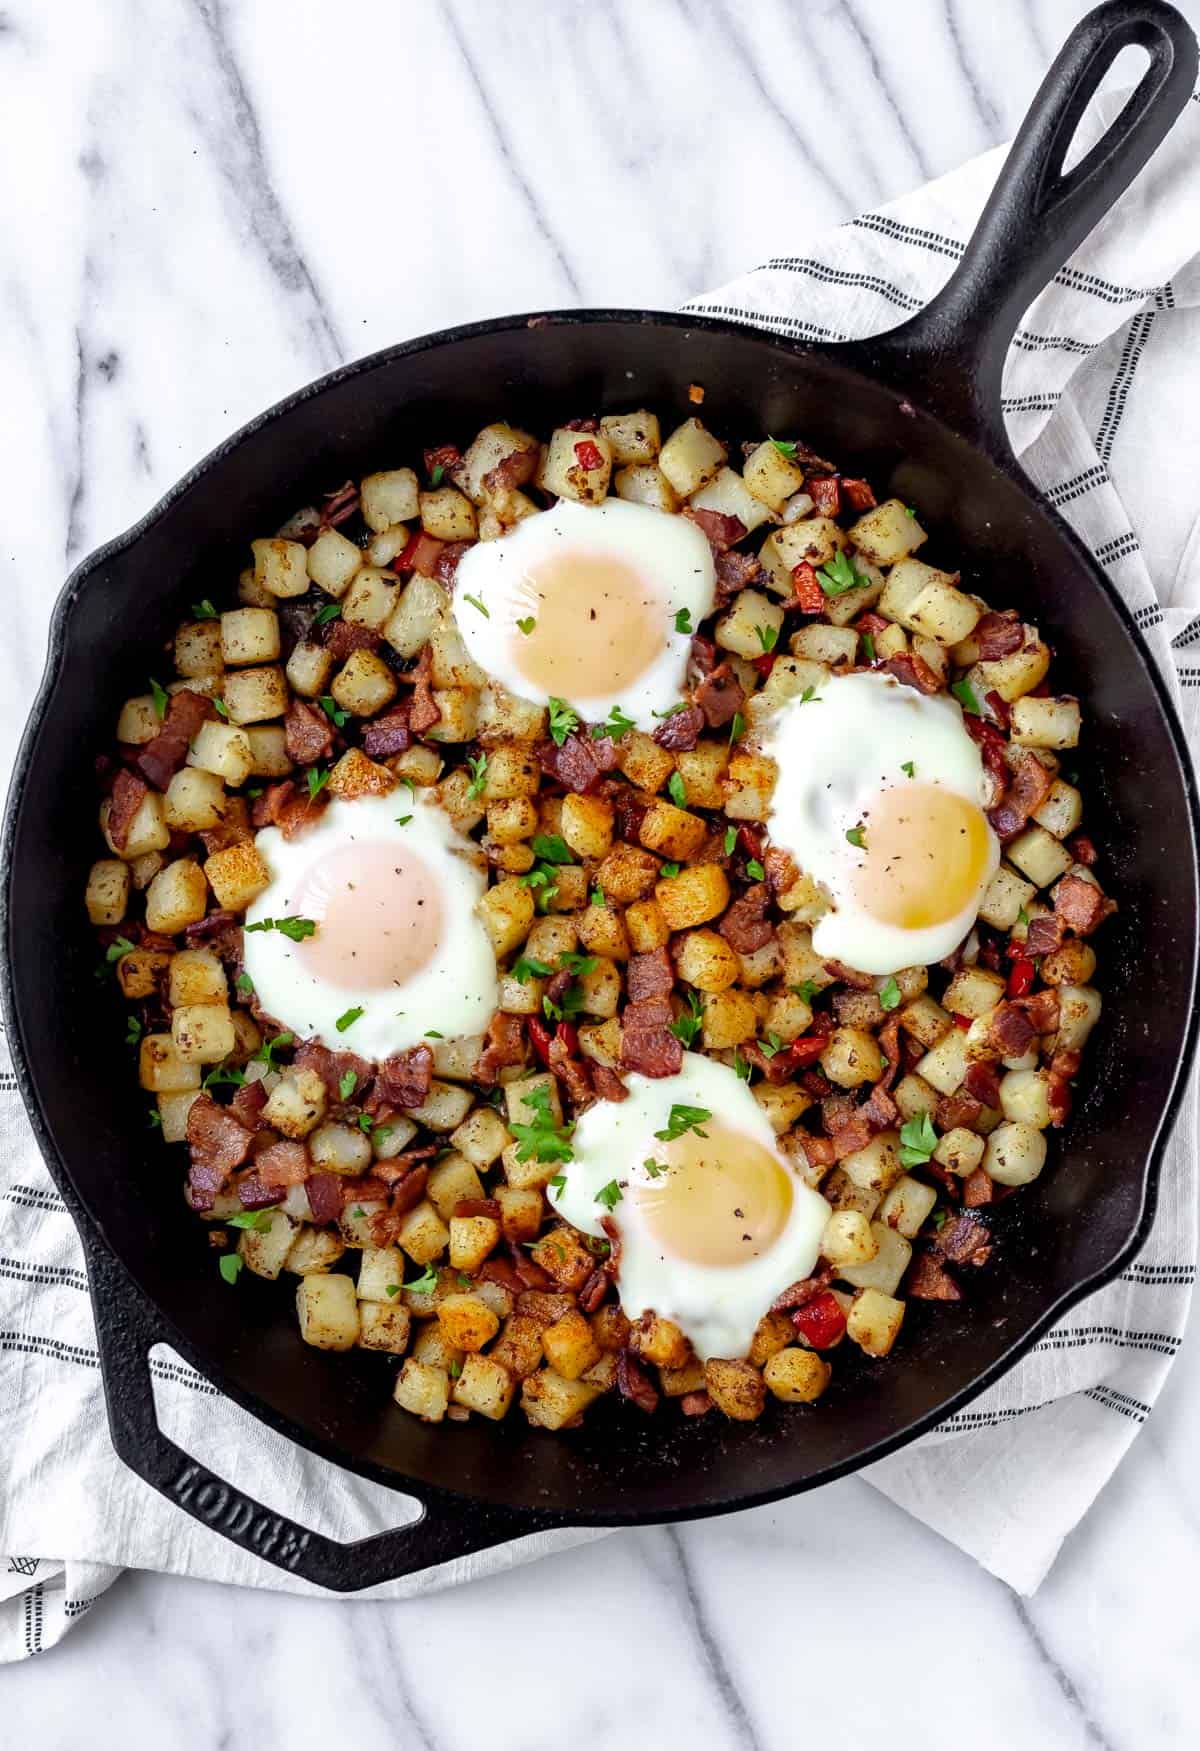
(402, 1196)
(339, 506)
(447, 457)
(851, 1138)
(722, 532)
(344, 637)
(799, 1294)
(929, 1280)
(388, 735)
(858, 494)
(593, 1292)
(308, 733)
(695, 1404)
(574, 764)
(233, 829)
(776, 1067)
(445, 566)
(649, 975)
(1044, 934)
(1028, 788)
(512, 471)
(1082, 849)
(734, 571)
(992, 745)
(252, 1193)
(503, 1044)
(572, 1071)
(1010, 1030)
(982, 1082)
(819, 1152)
(647, 1043)
(1043, 1010)
(423, 711)
(1081, 905)
(607, 1084)
(826, 496)
(850, 976)
(913, 671)
(325, 1192)
(634, 1383)
(129, 792)
(889, 1045)
(807, 594)
(681, 731)
(283, 1164)
(879, 1109)
(720, 696)
(587, 423)
(287, 807)
(1063, 1066)
(953, 1110)
(695, 394)
(248, 1103)
(780, 869)
(999, 634)
(332, 1066)
(404, 1078)
(745, 925)
(965, 1241)
(160, 760)
(978, 1189)
(218, 1144)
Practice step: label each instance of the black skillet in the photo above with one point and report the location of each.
(918, 411)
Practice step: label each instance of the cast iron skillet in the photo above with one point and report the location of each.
(918, 411)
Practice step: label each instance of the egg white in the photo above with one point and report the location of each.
(454, 993)
(835, 754)
(717, 1307)
(671, 553)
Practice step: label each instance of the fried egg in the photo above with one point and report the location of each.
(880, 799)
(595, 605)
(713, 1221)
(391, 888)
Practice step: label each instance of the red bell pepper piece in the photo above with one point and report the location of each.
(825, 493)
(539, 1038)
(568, 1033)
(1020, 978)
(589, 455)
(420, 554)
(806, 1050)
(750, 839)
(806, 585)
(963, 1022)
(820, 1320)
(765, 663)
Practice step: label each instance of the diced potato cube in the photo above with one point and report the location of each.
(466, 1322)
(783, 1104)
(771, 475)
(736, 1389)
(587, 824)
(380, 1274)
(148, 831)
(695, 895)
(389, 497)
(160, 1068)
(107, 894)
(550, 1402)
(945, 1064)
(643, 761)
(874, 1321)
(602, 932)
(973, 991)
(690, 457)
(480, 1138)
(645, 926)
(569, 1345)
(328, 1310)
(907, 1206)
(197, 976)
(224, 749)
(831, 645)
(960, 1151)
(847, 1239)
(472, 1238)
(661, 1342)
(177, 897)
(423, 1390)
(796, 1376)
(309, 668)
(138, 722)
(444, 1107)
(644, 483)
(1046, 723)
(371, 598)
(1012, 677)
(672, 832)
(237, 875)
(702, 768)
(247, 635)
(364, 684)
(198, 648)
(255, 695)
(705, 959)
(263, 1250)
(423, 1235)
(384, 1328)
(1038, 855)
(335, 1148)
(173, 1110)
(887, 533)
(484, 1386)
(875, 1166)
(1015, 1153)
(1006, 896)
(333, 561)
(852, 1057)
(139, 972)
(421, 605)
(728, 495)
(458, 714)
(729, 1019)
(1079, 1013)
(564, 1256)
(296, 1105)
(507, 911)
(884, 1271)
(280, 567)
(941, 611)
(512, 771)
(1061, 811)
(634, 437)
(812, 541)
(564, 471)
(749, 787)
(1025, 1095)
(447, 514)
(750, 625)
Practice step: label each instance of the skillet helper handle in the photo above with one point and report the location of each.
(126, 1330)
(951, 354)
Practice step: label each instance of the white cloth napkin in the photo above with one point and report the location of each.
(1103, 405)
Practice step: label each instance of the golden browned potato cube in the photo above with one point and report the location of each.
(907, 1206)
(493, 445)
(237, 875)
(773, 1333)
(749, 786)
(960, 1151)
(480, 1138)
(512, 820)
(1072, 964)
(550, 1402)
(736, 1389)
(644, 483)
(160, 1068)
(423, 1390)
(634, 437)
(309, 668)
(268, 748)
(447, 514)
(458, 714)
(885, 1269)
(197, 976)
(423, 765)
(246, 635)
(296, 1105)
(139, 972)
(423, 1235)
(973, 991)
(771, 475)
(796, 1376)
(563, 1255)
(611, 1327)
(829, 645)
(628, 873)
(563, 471)
(333, 561)
(602, 932)
(380, 1274)
(1046, 723)
(507, 911)
(1038, 855)
(693, 896)
(851, 1058)
(672, 832)
(1013, 677)
(691, 457)
(705, 959)
(138, 722)
(389, 497)
(660, 1341)
(371, 598)
(255, 695)
(1061, 811)
(587, 824)
(173, 1110)
(875, 1166)
(643, 761)
(570, 1346)
(328, 1310)
(451, 665)
(750, 615)
(384, 1328)
(519, 1346)
(419, 609)
(521, 1212)
(195, 800)
(788, 1015)
(600, 988)
(280, 567)
(223, 749)
(444, 1107)
(887, 533)
(727, 494)
(355, 775)
(702, 768)
(783, 1105)
(466, 1322)
(148, 830)
(472, 1238)
(847, 1239)
(874, 1321)
(263, 1250)
(337, 1148)
(107, 893)
(512, 771)
(364, 684)
(177, 897)
(645, 926)
(198, 648)
(729, 1019)
(484, 1386)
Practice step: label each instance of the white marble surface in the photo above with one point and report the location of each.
(205, 203)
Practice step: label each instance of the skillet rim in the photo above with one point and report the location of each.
(847, 356)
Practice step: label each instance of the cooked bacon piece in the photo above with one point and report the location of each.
(1010, 1030)
(344, 637)
(965, 1241)
(248, 1103)
(1043, 935)
(1082, 849)
(851, 1138)
(992, 746)
(218, 1144)
(1063, 1066)
(478, 1207)
(574, 764)
(681, 731)
(591, 1296)
(647, 1043)
(339, 506)
(723, 532)
(879, 1109)
(284, 1164)
(512, 471)
(649, 975)
(948, 1181)
(1028, 788)
(607, 1084)
(837, 1111)
(445, 566)
(696, 1404)
(734, 572)
(777, 1067)
(826, 495)
(858, 494)
(745, 925)
(572, 1071)
(160, 760)
(959, 1108)
(929, 1280)
(999, 634)
(630, 813)
(447, 457)
(399, 1167)
(388, 735)
(253, 1193)
(913, 671)
(982, 1083)
(850, 976)
(978, 1189)
(325, 1195)
(332, 1066)
(1081, 905)
(634, 1383)
(1043, 1010)
(720, 696)
(889, 1045)
(404, 1078)
(308, 733)
(781, 871)
(503, 1044)
(404, 1195)
(233, 829)
(799, 1294)
(286, 806)
(424, 711)
(819, 1152)
(129, 792)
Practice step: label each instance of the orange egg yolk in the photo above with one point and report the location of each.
(598, 625)
(926, 854)
(720, 1198)
(378, 917)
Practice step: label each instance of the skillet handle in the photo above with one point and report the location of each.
(950, 355)
(127, 1328)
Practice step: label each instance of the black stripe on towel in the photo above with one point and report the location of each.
(819, 270)
(1120, 1337)
(1118, 395)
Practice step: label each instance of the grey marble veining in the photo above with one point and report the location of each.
(205, 203)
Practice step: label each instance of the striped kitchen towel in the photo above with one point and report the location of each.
(1101, 396)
